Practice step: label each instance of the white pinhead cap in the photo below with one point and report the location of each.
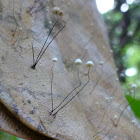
(107, 98)
(133, 122)
(101, 62)
(57, 11)
(89, 63)
(133, 86)
(54, 59)
(115, 117)
(97, 103)
(78, 62)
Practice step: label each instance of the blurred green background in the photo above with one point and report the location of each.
(5, 136)
(123, 25)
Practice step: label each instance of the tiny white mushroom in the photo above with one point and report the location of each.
(115, 117)
(107, 98)
(20, 28)
(61, 13)
(89, 64)
(54, 59)
(57, 11)
(101, 62)
(78, 62)
(133, 122)
(54, 135)
(97, 103)
(133, 86)
(50, 22)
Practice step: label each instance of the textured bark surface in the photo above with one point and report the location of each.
(25, 93)
(10, 124)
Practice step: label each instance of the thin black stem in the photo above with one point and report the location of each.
(75, 94)
(129, 137)
(51, 41)
(103, 115)
(107, 133)
(101, 130)
(96, 83)
(99, 77)
(14, 17)
(70, 92)
(41, 7)
(41, 122)
(43, 48)
(52, 86)
(113, 92)
(123, 111)
(45, 42)
(133, 135)
(33, 54)
(99, 81)
(16, 39)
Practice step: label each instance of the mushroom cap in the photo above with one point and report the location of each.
(110, 98)
(107, 98)
(57, 11)
(78, 62)
(61, 13)
(101, 62)
(54, 59)
(115, 117)
(89, 63)
(97, 103)
(133, 86)
(133, 122)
